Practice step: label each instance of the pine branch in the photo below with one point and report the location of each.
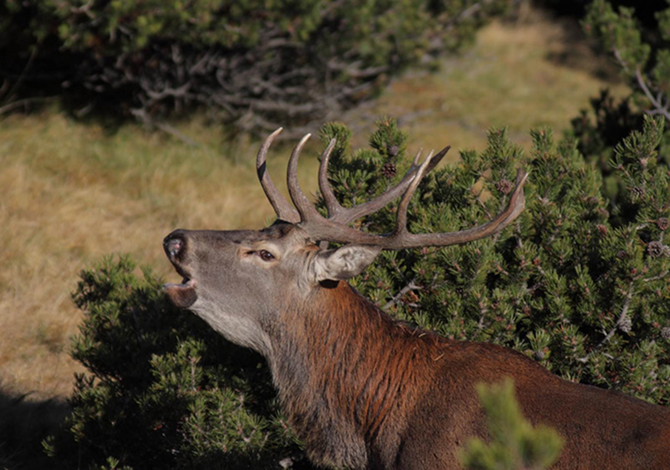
(659, 108)
(657, 277)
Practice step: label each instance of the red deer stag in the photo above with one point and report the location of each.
(361, 390)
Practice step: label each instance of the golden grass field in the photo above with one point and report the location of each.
(73, 192)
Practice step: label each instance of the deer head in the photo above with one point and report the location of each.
(238, 280)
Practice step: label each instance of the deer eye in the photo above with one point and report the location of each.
(266, 255)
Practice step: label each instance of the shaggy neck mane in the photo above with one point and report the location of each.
(342, 367)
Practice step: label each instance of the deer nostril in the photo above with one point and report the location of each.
(173, 246)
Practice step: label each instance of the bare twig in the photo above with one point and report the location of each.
(658, 106)
(656, 101)
(22, 77)
(24, 102)
(167, 128)
(179, 92)
(409, 287)
(142, 116)
(619, 322)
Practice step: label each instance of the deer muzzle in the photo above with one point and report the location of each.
(182, 295)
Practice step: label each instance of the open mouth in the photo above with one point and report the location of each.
(182, 295)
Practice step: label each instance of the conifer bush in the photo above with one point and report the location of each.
(637, 38)
(575, 283)
(256, 63)
(641, 52)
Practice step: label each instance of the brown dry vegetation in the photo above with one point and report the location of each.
(72, 193)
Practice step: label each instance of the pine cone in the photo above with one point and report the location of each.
(625, 324)
(504, 186)
(657, 249)
(637, 191)
(393, 150)
(663, 223)
(665, 332)
(389, 170)
(592, 200)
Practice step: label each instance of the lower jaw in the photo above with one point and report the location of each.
(182, 295)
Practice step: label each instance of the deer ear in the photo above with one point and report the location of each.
(344, 262)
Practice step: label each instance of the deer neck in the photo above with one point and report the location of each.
(341, 367)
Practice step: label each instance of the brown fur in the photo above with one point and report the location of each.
(365, 392)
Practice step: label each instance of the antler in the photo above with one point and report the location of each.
(342, 215)
(335, 227)
(282, 207)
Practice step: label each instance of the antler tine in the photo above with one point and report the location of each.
(281, 206)
(401, 219)
(305, 208)
(417, 156)
(348, 215)
(332, 204)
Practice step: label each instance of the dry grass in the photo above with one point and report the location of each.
(72, 193)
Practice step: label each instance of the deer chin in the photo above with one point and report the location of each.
(182, 295)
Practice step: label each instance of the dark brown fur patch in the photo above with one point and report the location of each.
(363, 391)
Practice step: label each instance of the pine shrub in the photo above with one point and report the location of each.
(639, 44)
(638, 41)
(574, 283)
(256, 63)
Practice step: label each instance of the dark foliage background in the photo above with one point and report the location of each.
(253, 63)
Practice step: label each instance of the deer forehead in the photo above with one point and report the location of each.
(283, 238)
(288, 244)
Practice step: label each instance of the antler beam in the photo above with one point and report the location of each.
(335, 228)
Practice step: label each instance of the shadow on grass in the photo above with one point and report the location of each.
(24, 424)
